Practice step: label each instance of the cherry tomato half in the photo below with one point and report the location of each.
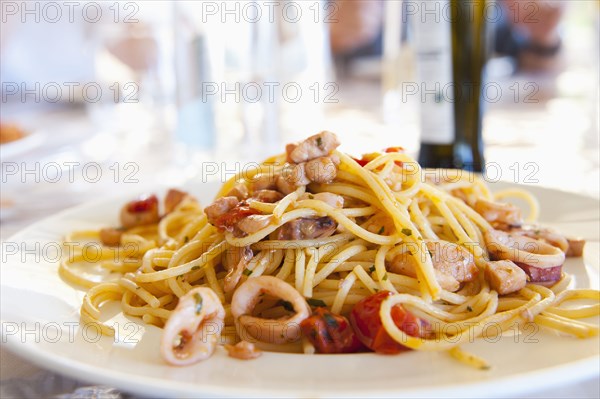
(330, 333)
(370, 331)
(143, 204)
(230, 219)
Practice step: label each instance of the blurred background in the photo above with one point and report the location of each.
(101, 98)
(112, 98)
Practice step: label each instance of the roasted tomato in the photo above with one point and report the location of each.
(141, 211)
(330, 333)
(370, 331)
(228, 220)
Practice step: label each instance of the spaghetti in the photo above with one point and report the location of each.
(313, 250)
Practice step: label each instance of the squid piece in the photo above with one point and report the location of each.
(307, 228)
(453, 264)
(276, 331)
(111, 236)
(316, 146)
(219, 208)
(523, 249)
(268, 196)
(173, 198)
(253, 223)
(505, 277)
(333, 200)
(241, 257)
(243, 350)
(499, 212)
(321, 170)
(193, 329)
(239, 191)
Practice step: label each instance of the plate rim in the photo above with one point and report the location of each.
(572, 372)
(521, 383)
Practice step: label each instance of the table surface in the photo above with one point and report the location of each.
(552, 141)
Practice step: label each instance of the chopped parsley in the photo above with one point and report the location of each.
(385, 277)
(316, 303)
(199, 301)
(372, 269)
(286, 305)
(195, 267)
(407, 232)
(247, 272)
(320, 142)
(381, 230)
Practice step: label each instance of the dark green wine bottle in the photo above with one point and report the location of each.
(462, 147)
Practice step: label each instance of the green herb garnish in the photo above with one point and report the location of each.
(372, 269)
(199, 302)
(381, 230)
(316, 303)
(385, 277)
(247, 272)
(407, 232)
(320, 142)
(195, 267)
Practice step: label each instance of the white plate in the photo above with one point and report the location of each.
(40, 322)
